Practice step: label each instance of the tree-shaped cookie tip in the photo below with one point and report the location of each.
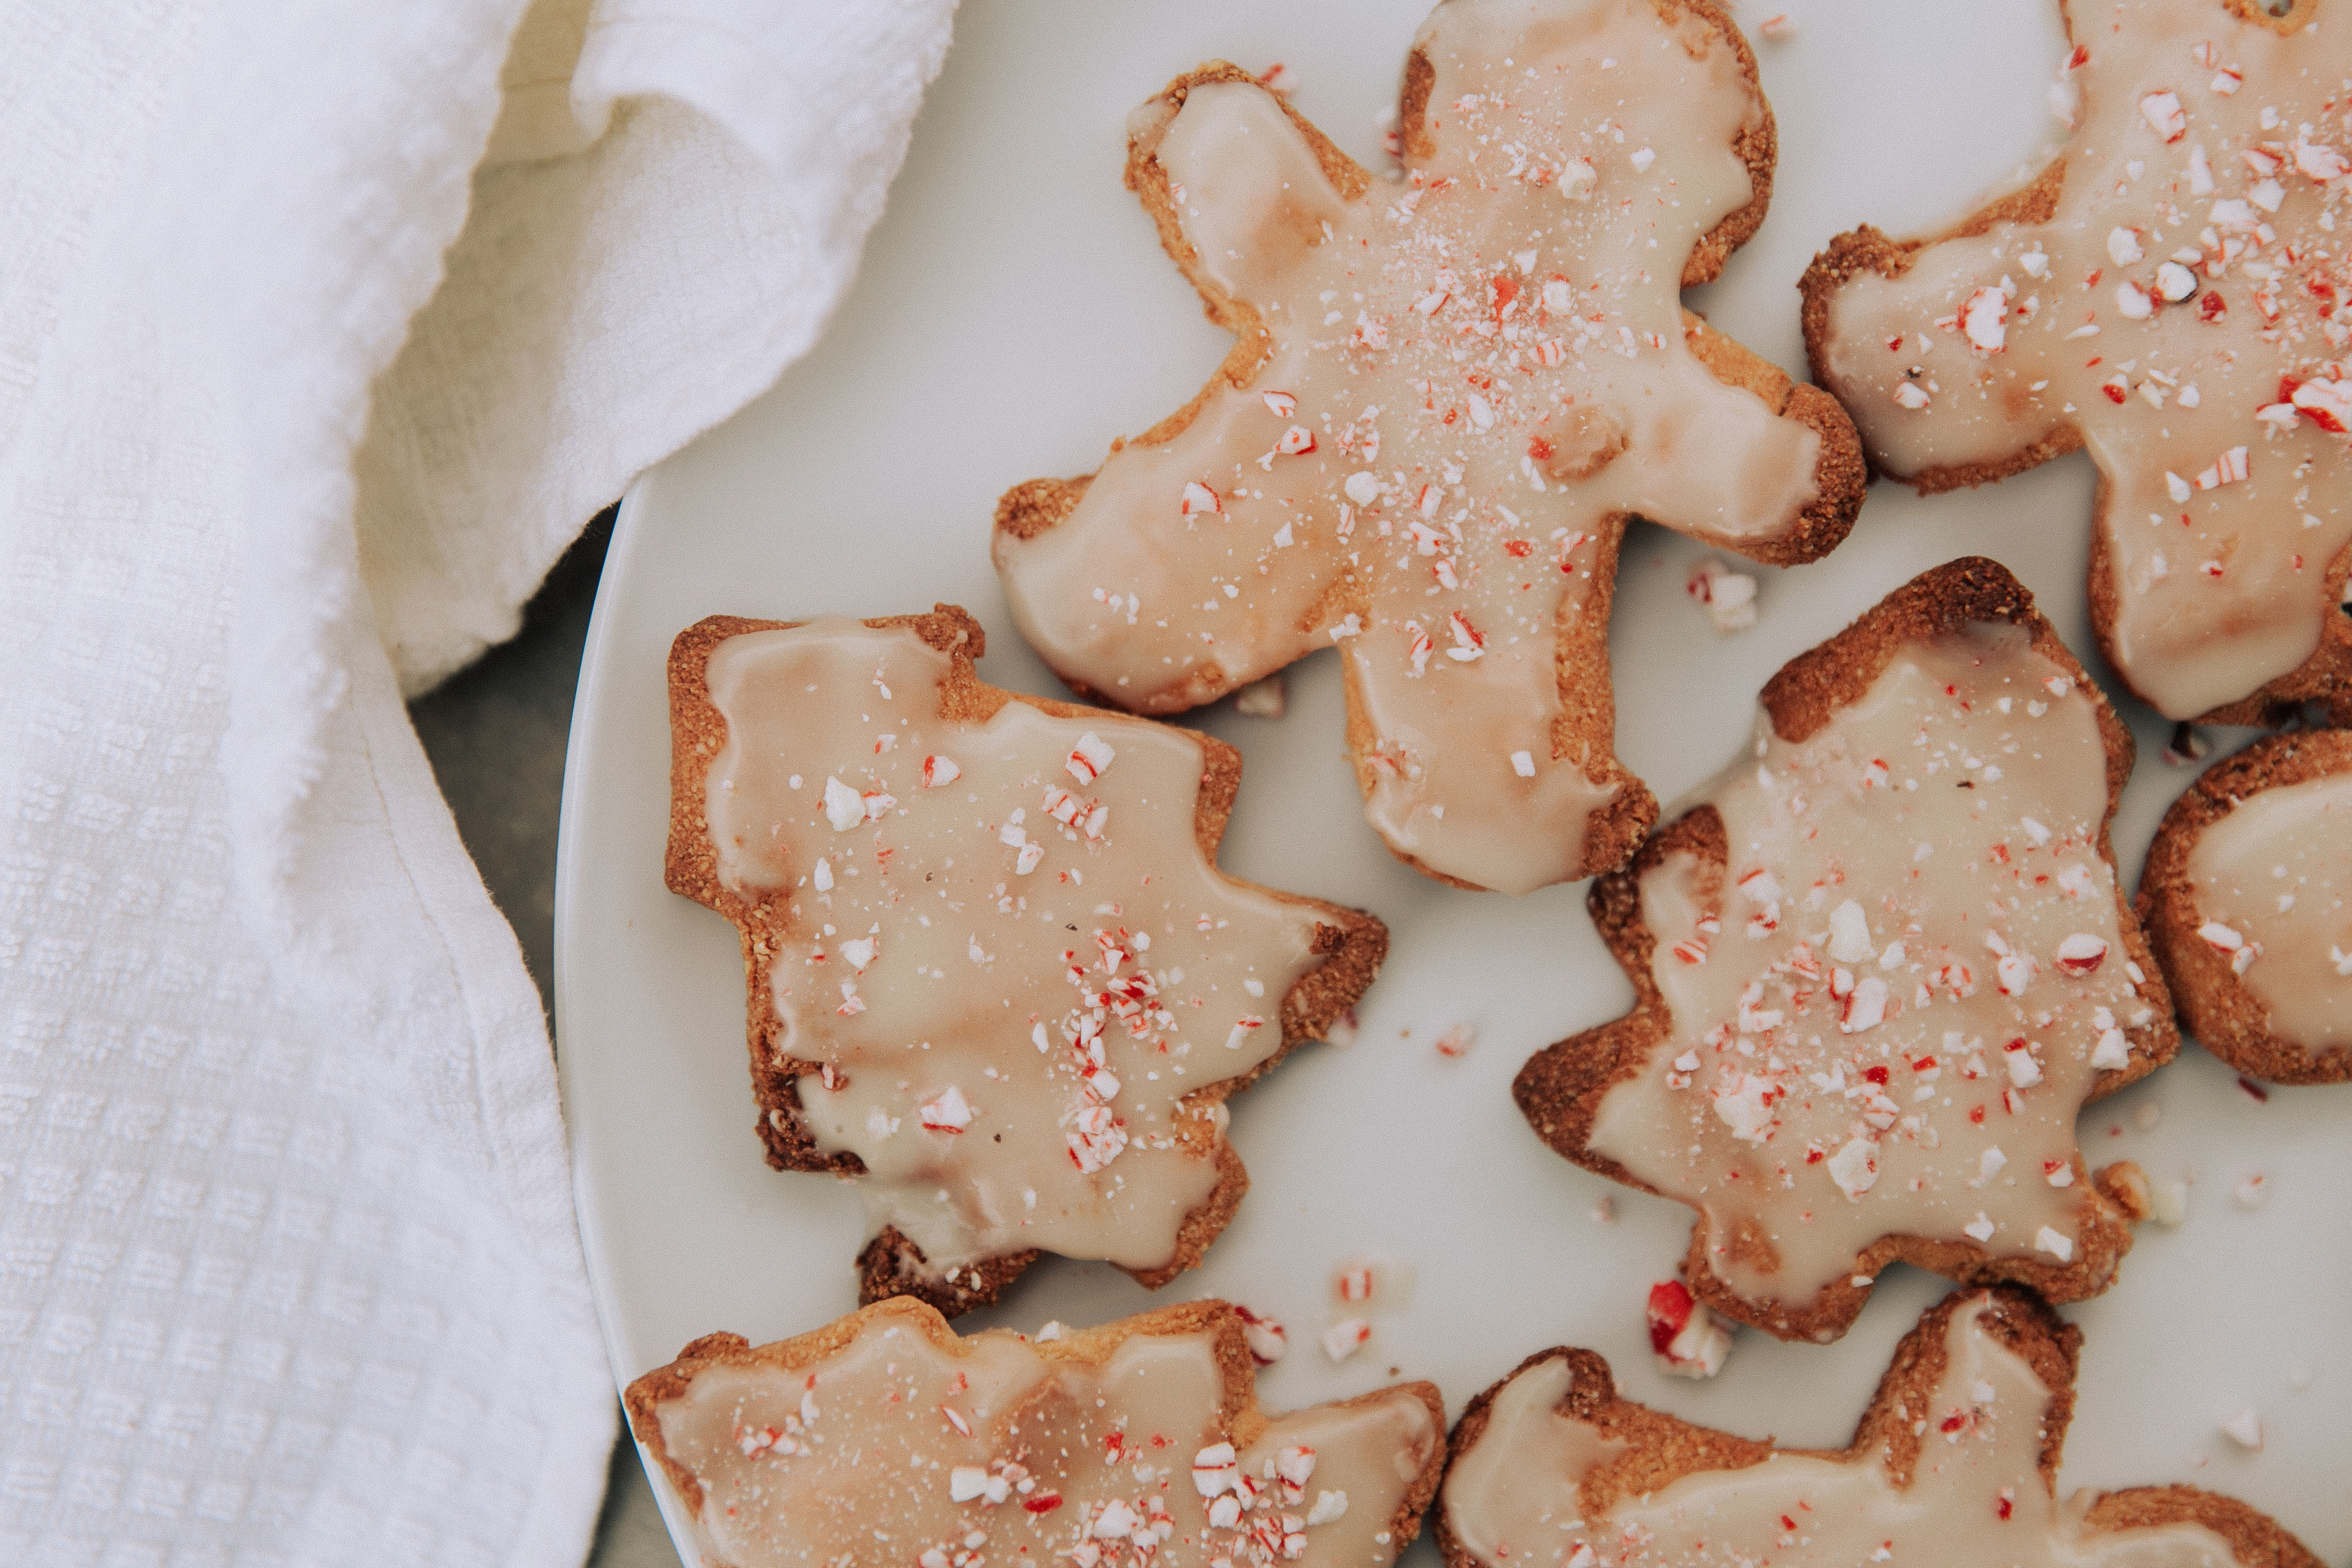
(994, 973)
(2172, 294)
(1447, 394)
(1879, 967)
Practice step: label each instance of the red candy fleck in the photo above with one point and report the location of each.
(1042, 1502)
(2080, 953)
(2251, 1087)
(1669, 1311)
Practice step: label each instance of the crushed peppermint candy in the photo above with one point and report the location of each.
(1346, 1337)
(1089, 759)
(1855, 1167)
(844, 806)
(2080, 953)
(1729, 596)
(947, 1113)
(2245, 1429)
(2164, 114)
(1268, 1340)
(1684, 1335)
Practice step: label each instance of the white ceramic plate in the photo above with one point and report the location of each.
(1013, 314)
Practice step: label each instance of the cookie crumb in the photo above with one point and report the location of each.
(2168, 1203)
(2127, 1186)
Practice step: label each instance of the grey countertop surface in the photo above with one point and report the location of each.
(495, 733)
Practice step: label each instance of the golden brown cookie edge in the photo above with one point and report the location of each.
(1663, 1448)
(1560, 1088)
(1352, 942)
(2219, 1009)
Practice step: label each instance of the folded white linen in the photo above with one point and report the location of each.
(301, 393)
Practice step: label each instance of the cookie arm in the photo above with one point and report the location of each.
(1914, 394)
(1241, 188)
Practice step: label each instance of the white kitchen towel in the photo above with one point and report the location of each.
(299, 394)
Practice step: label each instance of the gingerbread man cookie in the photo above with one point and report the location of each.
(2172, 294)
(1879, 967)
(2248, 897)
(1445, 398)
(1956, 1463)
(994, 973)
(1137, 1444)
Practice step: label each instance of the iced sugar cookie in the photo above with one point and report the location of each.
(1880, 965)
(886, 1437)
(1956, 1463)
(1446, 396)
(2170, 294)
(994, 973)
(2247, 895)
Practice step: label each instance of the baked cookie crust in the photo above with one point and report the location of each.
(1560, 1089)
(2214, 998)
(1352, 945)
(1660, 1449)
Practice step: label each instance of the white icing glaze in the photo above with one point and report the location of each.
(1959, 801)
(854, 1459)
(2277, 874)
(2221, 583)
(1975, 1498)
(921, 961)
(1459, 349)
